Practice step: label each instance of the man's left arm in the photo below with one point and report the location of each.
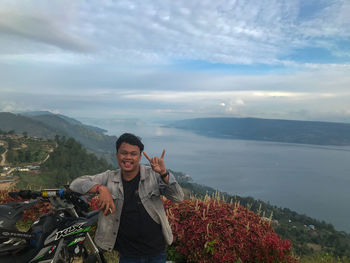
(167, 183)
(170, 188)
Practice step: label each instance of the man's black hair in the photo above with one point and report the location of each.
(130, 139)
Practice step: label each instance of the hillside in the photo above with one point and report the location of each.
(49, 125)
(288, 131)
(33, 114)
(36, 163)
(20, 124)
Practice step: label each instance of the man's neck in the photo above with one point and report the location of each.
(127, 176)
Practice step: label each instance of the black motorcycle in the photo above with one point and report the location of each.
(60, 236)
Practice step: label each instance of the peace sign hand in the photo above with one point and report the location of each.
(157, 163)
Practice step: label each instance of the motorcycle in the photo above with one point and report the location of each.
(60, 236)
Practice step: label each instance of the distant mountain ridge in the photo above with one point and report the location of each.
(33, 114)
(288, 131)
(20, 124)
(47, 125)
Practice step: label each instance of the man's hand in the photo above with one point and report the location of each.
(157, 163)
(106, 203)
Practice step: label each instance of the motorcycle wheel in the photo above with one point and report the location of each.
(90, 259)
(63, 257)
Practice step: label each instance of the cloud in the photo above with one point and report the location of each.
(331, 21)
(229, 32)
(42, 30)
(234, 97)
(8, 106)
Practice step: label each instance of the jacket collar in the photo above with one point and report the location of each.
(118, 174)
(143, 173)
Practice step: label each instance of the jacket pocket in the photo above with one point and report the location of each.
(154, 193)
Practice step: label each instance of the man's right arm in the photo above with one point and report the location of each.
(88, 183)
(96, 184)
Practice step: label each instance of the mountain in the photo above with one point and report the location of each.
(47, 125)
(34, 114)
(288, 131)
(20, 124)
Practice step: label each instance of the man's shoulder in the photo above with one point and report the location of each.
(147, 169)
(109, 172)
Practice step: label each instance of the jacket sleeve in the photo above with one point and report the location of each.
(84, 183)
(172, 190)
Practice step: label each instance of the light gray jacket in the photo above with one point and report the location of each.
(151, 187)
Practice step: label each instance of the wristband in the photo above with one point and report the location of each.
(164, 175)
(98, 188)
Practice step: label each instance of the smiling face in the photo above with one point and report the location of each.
(129, 157)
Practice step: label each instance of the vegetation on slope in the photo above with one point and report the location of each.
(20, 124)
(68, 161)
(49, 125)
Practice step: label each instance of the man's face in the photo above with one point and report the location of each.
(128, 157)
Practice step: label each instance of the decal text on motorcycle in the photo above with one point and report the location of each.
(15, 234)
(69, 230)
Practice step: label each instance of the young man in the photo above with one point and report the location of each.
(133, 220)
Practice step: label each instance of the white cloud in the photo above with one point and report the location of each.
(8, 106)
(38, 28)
(238, 32)
(332, 21)
(235, 97)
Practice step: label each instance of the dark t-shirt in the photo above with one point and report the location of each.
(139, 235)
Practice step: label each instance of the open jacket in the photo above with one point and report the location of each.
(151, 187)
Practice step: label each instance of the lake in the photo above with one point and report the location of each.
(309, 179)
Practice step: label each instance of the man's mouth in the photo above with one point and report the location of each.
(127, 164)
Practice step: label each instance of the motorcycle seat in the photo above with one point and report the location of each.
(11, 212)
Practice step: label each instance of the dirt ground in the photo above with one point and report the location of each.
(6, 186)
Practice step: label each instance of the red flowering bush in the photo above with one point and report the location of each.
(215, 231)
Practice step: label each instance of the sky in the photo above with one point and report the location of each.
(167, 60)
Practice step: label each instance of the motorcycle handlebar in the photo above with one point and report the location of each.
(25, 194)
(69, 195)
(30, 194)
(64, 194)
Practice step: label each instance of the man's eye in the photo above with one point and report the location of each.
(131, 153)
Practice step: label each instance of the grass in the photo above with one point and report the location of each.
(323, 257)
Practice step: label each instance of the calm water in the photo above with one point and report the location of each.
(313, 180)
